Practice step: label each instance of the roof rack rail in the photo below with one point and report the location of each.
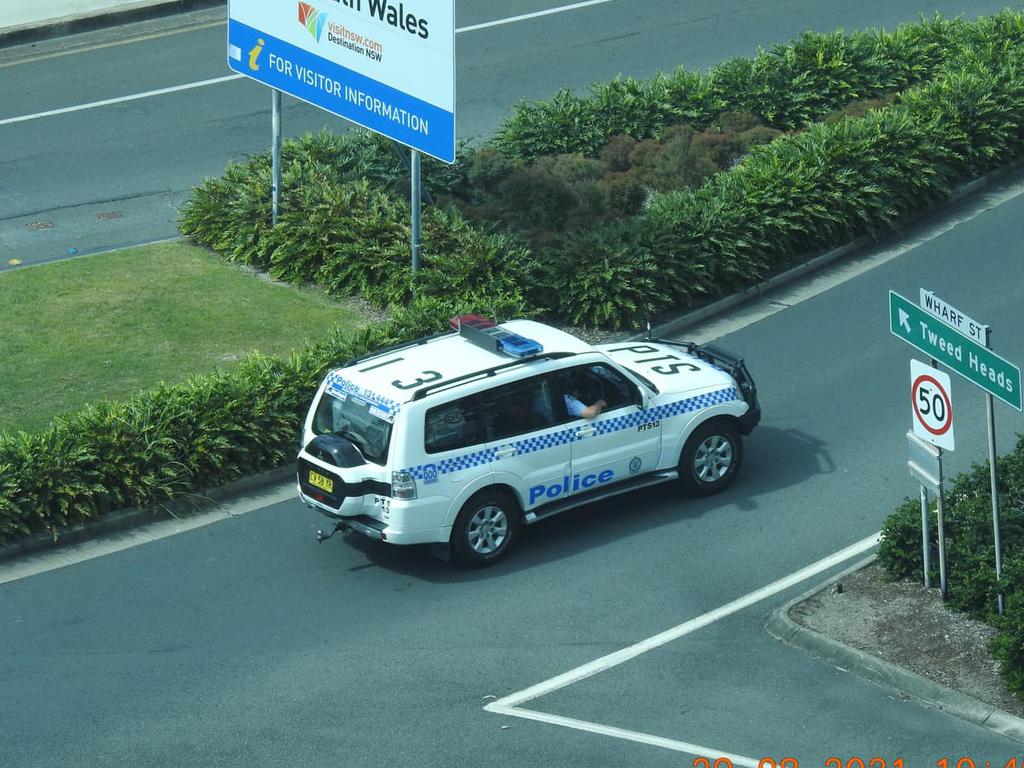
(422, 392)
(393, 348)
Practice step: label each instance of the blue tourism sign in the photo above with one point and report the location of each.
(387, 66)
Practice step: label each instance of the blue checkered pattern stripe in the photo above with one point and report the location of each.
(430, 472)
(694, 403)
(539, 443)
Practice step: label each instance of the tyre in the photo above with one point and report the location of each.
(711, 458)
(485, 529)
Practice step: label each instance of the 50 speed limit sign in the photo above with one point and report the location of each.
(932, 405)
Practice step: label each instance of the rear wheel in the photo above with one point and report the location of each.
(485, 528)
(711, 458)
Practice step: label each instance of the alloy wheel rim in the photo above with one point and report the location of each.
(488, 529)
(713, 459)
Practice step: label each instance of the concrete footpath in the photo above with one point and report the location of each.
(29, 21)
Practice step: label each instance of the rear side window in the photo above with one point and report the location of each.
(521, 407)
(496, 414)
(453, 425)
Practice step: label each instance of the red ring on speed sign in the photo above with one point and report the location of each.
(945, 397)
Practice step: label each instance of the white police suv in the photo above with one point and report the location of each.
(460, 439)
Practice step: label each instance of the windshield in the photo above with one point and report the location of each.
(355, 419)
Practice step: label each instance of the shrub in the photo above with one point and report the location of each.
(970, 552)
(616, 275)
(616, 152)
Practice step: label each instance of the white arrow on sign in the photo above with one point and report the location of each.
(932, 405)
(904, 319)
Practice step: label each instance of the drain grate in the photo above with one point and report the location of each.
(108, 215)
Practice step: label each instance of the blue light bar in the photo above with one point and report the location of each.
(484, 333)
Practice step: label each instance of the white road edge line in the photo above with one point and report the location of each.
(228, 78)
(120, 99)
(527, 16)
(626, 654)
(636, 736)
(32, 565)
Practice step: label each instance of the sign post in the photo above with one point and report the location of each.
(990, 417)
(925, 464)
(275, 155)
(964, 346)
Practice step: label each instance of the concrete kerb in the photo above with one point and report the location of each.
(125, 519)
(782, 627)
(88, 21)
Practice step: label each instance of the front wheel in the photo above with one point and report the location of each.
(711, 458)
(485, 528)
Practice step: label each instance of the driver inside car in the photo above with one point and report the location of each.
(580, 393)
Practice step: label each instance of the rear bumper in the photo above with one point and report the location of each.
(357, 521)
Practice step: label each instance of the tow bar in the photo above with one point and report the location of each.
(321, 537)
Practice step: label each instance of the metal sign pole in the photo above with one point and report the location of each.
(990, 413)
(924, 538)
(416, 209)
(943, 587)
(275, 130)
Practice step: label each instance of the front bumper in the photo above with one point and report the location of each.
(735, 367)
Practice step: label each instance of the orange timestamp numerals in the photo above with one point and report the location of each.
(857, 762)
(966, 762)
(830, 762)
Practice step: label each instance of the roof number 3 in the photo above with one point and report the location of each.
(426, 378)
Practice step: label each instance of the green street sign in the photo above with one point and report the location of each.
(961, 354)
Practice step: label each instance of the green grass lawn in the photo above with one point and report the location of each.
(105, 326)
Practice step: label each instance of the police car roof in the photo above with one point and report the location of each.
(395, 374)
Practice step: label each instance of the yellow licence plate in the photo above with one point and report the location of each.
(315, 478)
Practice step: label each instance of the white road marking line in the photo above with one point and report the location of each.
(626, 654)
(228, 78)
(120, 99)
(31, 565)
(638, 736)
(534, 15)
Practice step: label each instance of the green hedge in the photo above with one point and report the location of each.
(178, 439)
(806, 192)
(970, 552)
(787, 86)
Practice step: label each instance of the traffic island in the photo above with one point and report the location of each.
(899, 635)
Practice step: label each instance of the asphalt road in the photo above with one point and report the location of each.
(92, 180)
(245, 643)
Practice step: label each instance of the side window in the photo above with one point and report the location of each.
(521, 407)
(590, 383)
(453, 425)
